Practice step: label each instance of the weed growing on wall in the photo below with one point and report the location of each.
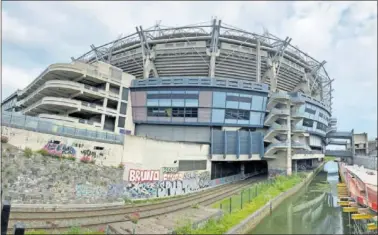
(28, 152)
(72, 230)
(266, 191)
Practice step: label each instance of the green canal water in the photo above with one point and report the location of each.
(313, 210)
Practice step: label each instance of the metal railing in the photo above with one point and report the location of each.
(45, 126)
(19, 228)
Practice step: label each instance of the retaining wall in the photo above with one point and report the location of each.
(254, 219)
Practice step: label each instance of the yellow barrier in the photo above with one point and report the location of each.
(372, 226)
(361, 216)
(343, 203)
(350, 209)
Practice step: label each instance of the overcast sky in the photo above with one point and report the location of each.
(36, 34)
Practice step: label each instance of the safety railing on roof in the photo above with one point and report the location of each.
(45, 126)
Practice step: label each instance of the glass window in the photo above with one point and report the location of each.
(152, 92)
(152, 102)
(237, 114)
(255, 118)
(165, 102)
(191, 112)
(192, 92)
(219, 99)
(232, 104)
(159, 112)
(164, 92)
(123, 108)
(191, 103)
(230, 121)
(308, 122)
(264, 103)
(178, 102)
(125, 94)
(243, 105)
(218, 116)
(257, 103)
(178, 92)
(121, 122)
(309, 110)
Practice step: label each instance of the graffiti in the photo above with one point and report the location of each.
(93, 155)
(78, 145)
(56, 148)
(83, 191)
(276, 172)
(173, 176)
(143, 175)
(169, 170)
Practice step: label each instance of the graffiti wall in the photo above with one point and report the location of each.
(103, 153)
(150, 183)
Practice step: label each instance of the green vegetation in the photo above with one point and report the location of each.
(72, 230)
(43, 152)
(329, 158)
(243, 204)
(28, 152)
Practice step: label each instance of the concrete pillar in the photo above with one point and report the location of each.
(289, 163)
(103, 121)
(258, 55)
(242, 170)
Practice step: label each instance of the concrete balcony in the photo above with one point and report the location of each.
(276, 114)
(340, 135)
(296, 114)
(272, 149)
(67, 89)
(339, 153)
(275, 129)
(71, 121)
(53, 104)
(278, 97)
(68, 72)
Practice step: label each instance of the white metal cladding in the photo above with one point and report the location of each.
(174, 133)
(213, 49)
(315, 141)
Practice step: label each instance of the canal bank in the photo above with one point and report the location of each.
(269, 208)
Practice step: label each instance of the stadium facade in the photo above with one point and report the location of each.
(250, 97)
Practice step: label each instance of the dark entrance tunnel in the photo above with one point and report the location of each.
(220, 169)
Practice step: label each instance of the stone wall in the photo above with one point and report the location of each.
(46, 180)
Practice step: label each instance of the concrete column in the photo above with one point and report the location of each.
(107, 86)
(289, 163)
(258, 55)
(103, 121)
(242, 169)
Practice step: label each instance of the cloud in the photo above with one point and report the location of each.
(342, 33)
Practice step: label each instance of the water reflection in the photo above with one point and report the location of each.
(314, 210)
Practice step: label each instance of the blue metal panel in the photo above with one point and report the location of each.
(261, 145)
(211, 143)
(196, 124)
(244, 142)
(237, 145)
(225, 144)
(250, 144)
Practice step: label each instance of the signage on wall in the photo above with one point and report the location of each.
(124, 132)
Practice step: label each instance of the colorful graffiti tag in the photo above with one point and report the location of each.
(56, 148)
(143, 175)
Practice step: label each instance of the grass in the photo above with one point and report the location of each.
(28, 152)
(72, 230)
(329, 158)
(260, 193)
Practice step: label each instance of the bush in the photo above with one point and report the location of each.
(28, 152)
(121, 166)
(43, 152)
(92, 161)
(4, 139)
(71, 158)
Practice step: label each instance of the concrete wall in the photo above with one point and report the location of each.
(110, 154)
(154, 154)
(137, 152)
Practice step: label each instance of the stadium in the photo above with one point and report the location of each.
(255, 100)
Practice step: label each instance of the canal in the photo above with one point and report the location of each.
(313, 210)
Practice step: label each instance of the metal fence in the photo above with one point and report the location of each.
(44, 126)
(19, 228)
(369, 162)
(246, 196)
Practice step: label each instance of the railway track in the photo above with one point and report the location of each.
(91, 218)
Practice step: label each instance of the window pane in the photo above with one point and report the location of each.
(191, 92)
(255, 118)
(246, 106)
(232, 104)
(191, 103)
(257, 103)
(218, 116)
(121, 122)
(125, 94)
(219, 99)
(123, 108)
(308, 122)
(165, 102)
(152, 102)
(231, 121)
(178, 103)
